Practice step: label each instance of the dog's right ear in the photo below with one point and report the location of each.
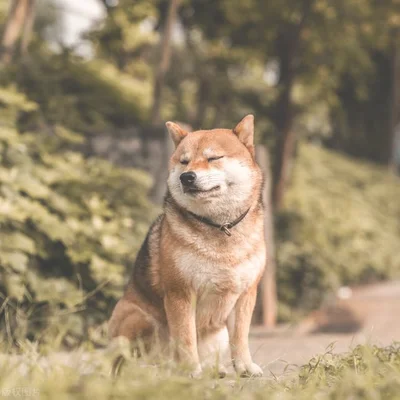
(245, 132)
(176, 132)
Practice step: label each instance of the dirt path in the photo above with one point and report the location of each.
(375, 308)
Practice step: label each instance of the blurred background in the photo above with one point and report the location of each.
(85, 90)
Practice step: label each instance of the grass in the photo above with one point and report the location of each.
(366, 372)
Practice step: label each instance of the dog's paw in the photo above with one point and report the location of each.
(222, 371)
(196, 372)
(248, 370)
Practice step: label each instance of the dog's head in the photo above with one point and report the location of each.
(212, 171)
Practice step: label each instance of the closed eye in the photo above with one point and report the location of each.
(185, 162)
(215, 158)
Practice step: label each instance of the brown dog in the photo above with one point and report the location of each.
(195, 278)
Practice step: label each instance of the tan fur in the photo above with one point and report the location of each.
(199, 280)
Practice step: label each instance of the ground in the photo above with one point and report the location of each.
(359, 372)
(375, 307)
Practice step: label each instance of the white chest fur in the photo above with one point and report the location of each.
(217, 285)
(213, 275)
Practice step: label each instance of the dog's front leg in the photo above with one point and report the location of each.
(181, 316)
(239, 327)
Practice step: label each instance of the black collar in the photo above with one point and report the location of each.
(224, 227)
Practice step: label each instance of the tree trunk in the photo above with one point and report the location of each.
(394, 162)
(165, 60)
(28, 27)
(285, 142)
(158, 189)
(269, 300)
(284, 118)
(202, 102)
(13, 28)
(288, 44)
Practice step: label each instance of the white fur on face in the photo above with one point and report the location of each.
(234, 178)
(206, 179)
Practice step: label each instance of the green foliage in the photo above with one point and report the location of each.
(123, 40)
(365, 373)
(340, 225)
(69, 225)
(88, 97)
(301, 43)
(304, 35)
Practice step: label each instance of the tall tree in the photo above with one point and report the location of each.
(164, 62)
(287, 46)
(366, 113)
(19, 22)
(121, 40)
(305, 40)
(28, 27)
(269, 301)
(158, 189)
(395, 120)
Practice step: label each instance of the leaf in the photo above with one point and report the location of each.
(17, 241)
(15, 286)
(17, 261)
(68, 135)
(12, 97)
(54, 290)
(105, 271)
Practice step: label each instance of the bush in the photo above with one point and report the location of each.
(340, 226)
(89, 97)
(70, 226)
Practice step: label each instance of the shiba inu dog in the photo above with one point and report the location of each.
(195, 278)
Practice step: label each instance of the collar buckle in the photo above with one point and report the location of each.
(226, 229)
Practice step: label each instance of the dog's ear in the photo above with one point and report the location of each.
(245, 132)
(176, 132)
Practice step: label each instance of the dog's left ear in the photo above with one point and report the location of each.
(245, 132)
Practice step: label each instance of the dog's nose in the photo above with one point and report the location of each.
(188, 178)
